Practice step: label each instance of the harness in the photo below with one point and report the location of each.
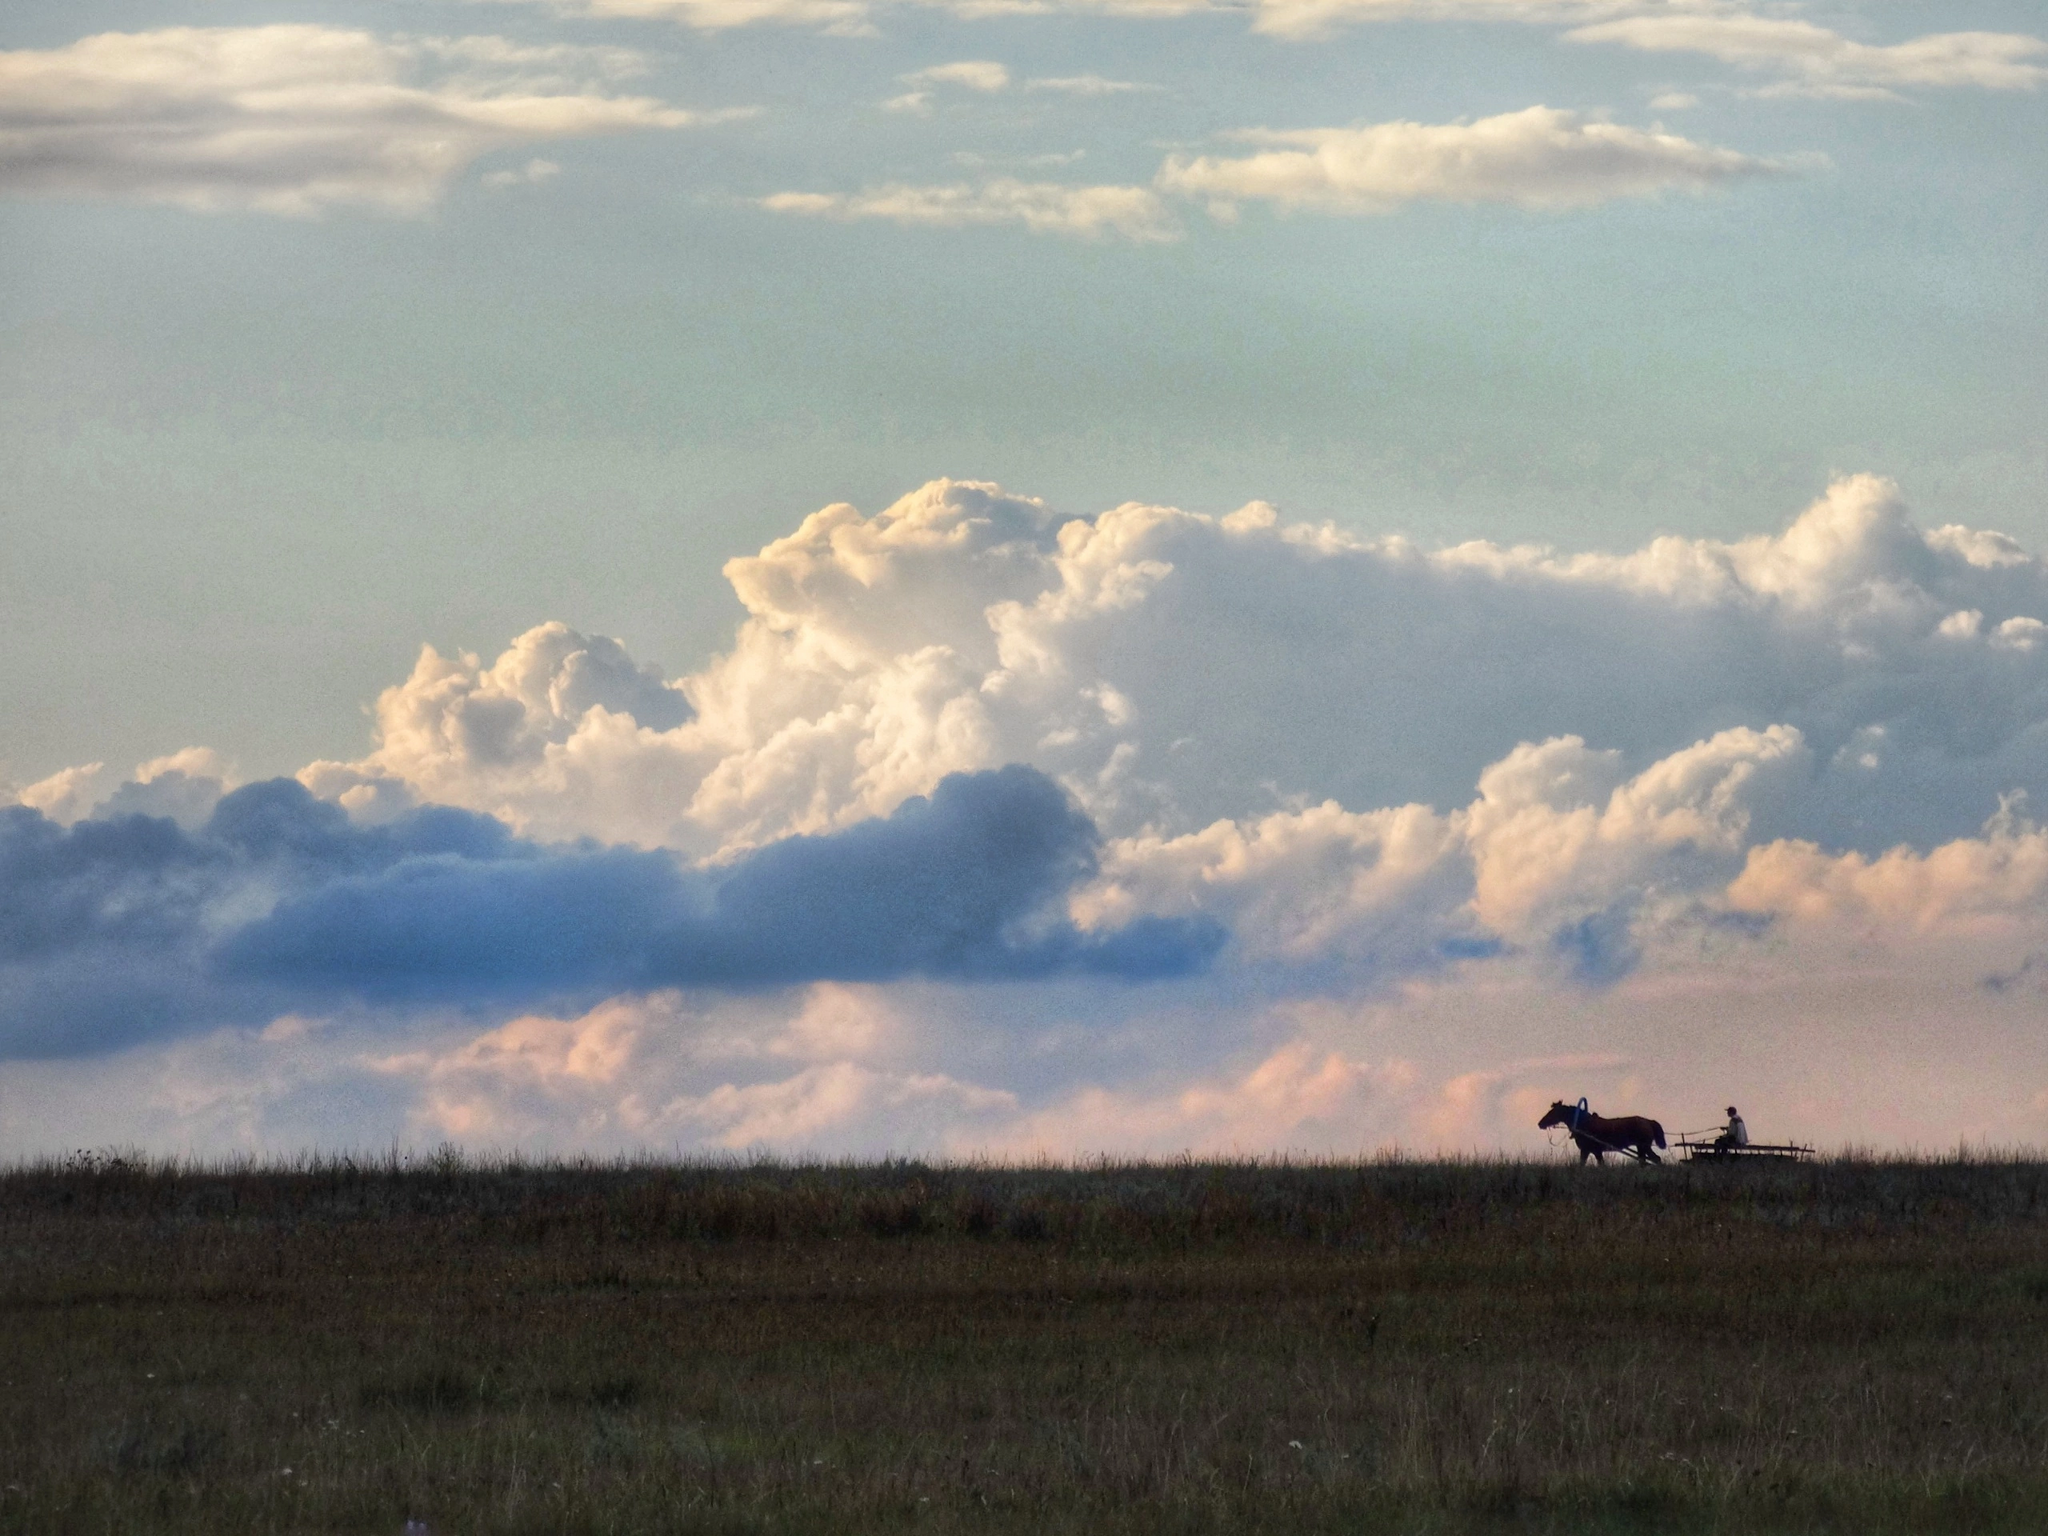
(1576, 1126)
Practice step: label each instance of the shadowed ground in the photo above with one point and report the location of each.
(1851, 1346)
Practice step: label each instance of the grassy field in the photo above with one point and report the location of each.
(1854, 1346)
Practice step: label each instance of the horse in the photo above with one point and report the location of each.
(1596, 1135)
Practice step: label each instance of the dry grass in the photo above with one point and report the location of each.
(1856, 1346)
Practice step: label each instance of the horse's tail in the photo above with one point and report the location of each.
(1657, 1130)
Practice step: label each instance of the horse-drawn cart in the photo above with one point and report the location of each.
(1640, 1138)
(1717, 1151)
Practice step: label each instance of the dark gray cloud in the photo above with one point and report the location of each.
(118, 930)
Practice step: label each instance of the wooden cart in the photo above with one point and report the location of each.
(1755, 1152)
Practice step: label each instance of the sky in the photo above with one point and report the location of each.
(1021, 577)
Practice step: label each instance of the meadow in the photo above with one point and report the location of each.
(1857, 1345)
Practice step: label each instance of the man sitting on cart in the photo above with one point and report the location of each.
(1736, 1134)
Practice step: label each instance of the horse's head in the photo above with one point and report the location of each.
(1559, 1113)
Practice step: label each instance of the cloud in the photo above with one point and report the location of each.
(662, 1067)
(1998, 878)
(67, 795)
(1297, 1097)
(1819, 62)
(1546, 830)
(817, 1107)
(655, 1069)
(1562, 853)
(1301, 885)
(1086, 85)
(1308, 19)
(955, 885)
(962, 629)
(1385, 824)
(1814, 60)
(455, 725)
(183, 786)
(1089, 213)
(126, 928)
(1295, 19)
(844, 17)
(1536, 158)
(990, 78)
(983, 75)
(532, 172)
(976, 160)
(293, 119)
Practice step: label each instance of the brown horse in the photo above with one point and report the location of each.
(1596, 1135)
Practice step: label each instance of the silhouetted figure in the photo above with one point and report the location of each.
(1736, 1134)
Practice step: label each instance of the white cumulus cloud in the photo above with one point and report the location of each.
(1086, 85)
(1484, 825)
(1999, 877)
(1540, 157)
(1043, 207)
(1559, 834)
(1283, 18)
(1301, 1096)
(532, 172)
(1816, 61)
(293, 119)
(1305, 19)
(963, 628)
(180, 785)
(847, 17)
(658, 1069)
(984, 75)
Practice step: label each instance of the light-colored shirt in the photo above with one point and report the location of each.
(1738, 1133)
